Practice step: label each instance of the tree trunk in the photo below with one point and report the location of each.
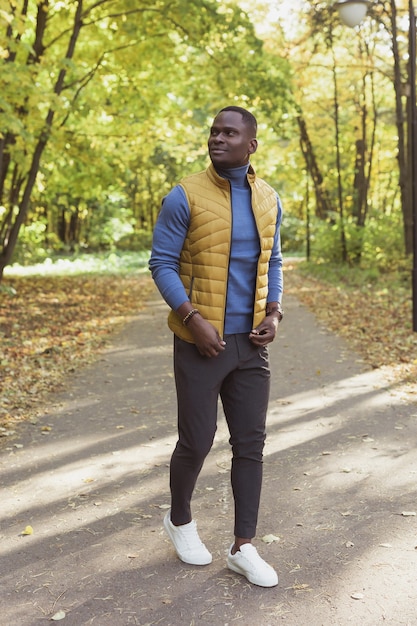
(403, 160)
(22, 204)
(343, 244)
(323, 202)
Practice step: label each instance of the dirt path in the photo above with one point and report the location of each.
(91, 476)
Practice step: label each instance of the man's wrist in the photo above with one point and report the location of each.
(276, 310)
(189, 316)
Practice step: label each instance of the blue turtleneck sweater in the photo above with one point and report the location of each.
(168, 239)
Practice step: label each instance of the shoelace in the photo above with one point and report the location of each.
(251, 554)
(191, 536)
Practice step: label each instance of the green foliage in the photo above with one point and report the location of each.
(383, 243)
(114, 98)
(353, 277)
(139, 240)
(107, 225)
(378, 245)
(119, 118)
(293, 235)
(31, 245)
(325, 241)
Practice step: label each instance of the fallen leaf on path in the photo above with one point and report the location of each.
(28, 531)
(6, 432)
(300, 586)
(270, 538)
(58, 616)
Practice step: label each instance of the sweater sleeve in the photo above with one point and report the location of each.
(275, 273)
(168, 239)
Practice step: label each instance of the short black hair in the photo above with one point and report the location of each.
(247, 116)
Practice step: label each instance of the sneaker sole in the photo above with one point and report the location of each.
(249, 577)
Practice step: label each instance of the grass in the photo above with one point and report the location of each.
(103, 263)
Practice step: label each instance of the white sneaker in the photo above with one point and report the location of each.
(187, 543)
(247, 562)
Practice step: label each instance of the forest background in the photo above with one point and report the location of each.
(106, 104)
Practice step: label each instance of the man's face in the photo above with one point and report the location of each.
(231, 141)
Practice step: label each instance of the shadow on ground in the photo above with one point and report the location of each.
(338, 504)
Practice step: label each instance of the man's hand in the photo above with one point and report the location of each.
(207, 339)
(265, 332)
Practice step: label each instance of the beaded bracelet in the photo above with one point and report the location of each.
(189, 316)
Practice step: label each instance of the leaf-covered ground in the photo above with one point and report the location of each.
(51, 326)
(375, 320)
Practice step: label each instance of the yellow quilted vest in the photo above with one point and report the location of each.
(204, 260)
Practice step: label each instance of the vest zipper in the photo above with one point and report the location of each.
(230, 254)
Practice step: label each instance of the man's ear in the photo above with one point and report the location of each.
(253, 146)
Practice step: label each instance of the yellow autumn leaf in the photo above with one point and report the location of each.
(270, 538)
(28, 531)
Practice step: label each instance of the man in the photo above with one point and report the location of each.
(216, 259)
